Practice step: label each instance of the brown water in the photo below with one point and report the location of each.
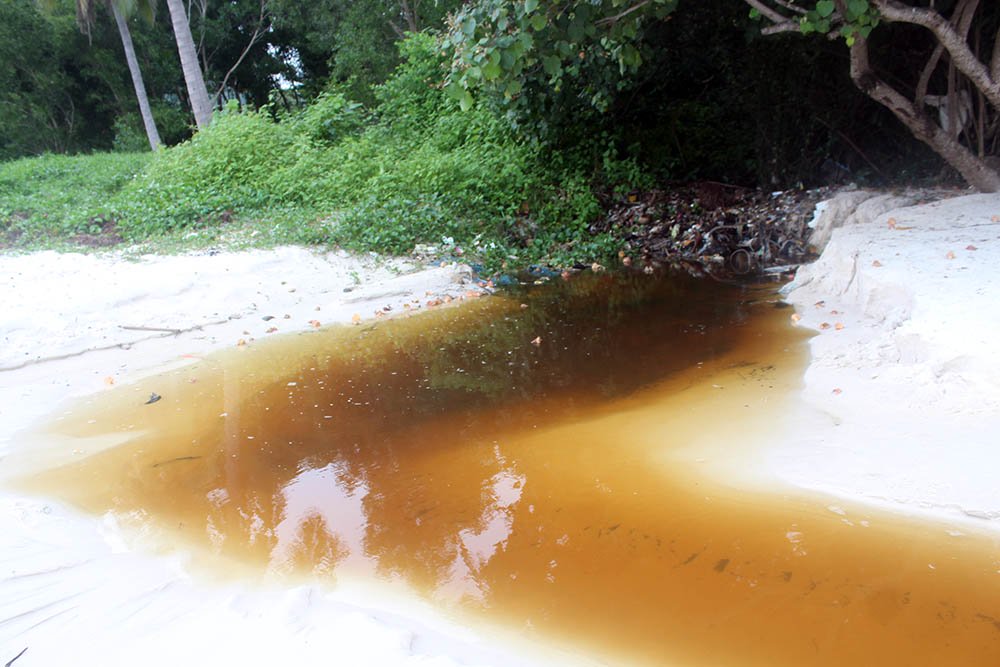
(573, 490)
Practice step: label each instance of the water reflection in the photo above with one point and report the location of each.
(534, 483)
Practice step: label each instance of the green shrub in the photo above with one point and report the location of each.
(45, 197)
(223, 169)
(330, 118)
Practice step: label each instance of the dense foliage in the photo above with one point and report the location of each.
(413, 169)
(502, 129)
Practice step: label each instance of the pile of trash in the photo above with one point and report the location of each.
(708, 228)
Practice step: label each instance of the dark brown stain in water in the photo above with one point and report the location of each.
(555, 489)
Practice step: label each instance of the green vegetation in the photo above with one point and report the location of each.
(46, 199)
(415, 169)
(498, 130)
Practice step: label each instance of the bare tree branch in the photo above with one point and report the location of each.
(962, 17)
(258, 33)
(995, 60)
(787, 26)
(790, 7)
(961, 55)
(410, 15)
(396, 29)
(611, 20)
(769, 12)
(973, 170)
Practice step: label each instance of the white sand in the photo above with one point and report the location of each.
(900, 408)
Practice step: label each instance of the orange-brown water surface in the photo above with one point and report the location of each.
(561, 463)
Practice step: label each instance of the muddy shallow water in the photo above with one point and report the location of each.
(559, 462)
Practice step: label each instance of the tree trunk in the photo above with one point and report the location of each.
(973, 169)
(140, 88)
(201, 106)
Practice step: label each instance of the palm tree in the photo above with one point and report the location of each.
(201, 106)
(86, 13)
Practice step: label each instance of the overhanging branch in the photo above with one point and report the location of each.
(961, 55)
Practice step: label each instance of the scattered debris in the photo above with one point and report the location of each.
(153, 398)
(715, 229)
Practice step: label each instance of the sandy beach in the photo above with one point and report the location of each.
(899, 409)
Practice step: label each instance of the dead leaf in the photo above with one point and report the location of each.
(971, 247)
(824, 326)
(241, 342)
(537, 341)
(271, 330)
(596, 268)
(356, 318)
(892, 223)
(523, 306)
(820, 304)
(796, 317)
(109, 380)
(433, 302)
(950, 255)
(838, 391)
(472, 294)
(839, 326)
(995, 218)
(565, 275)
(835, 312)
(627, 261)
(876, 264)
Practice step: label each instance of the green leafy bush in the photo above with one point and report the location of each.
(414, 169)
(222, 169)
(42, 198)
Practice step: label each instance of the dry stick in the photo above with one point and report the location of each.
(164, 329)
(16, 657)
(611, 20)
(257, 34)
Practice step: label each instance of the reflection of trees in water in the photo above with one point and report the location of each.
(380, 456)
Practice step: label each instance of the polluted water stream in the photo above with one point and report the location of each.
(563, 464)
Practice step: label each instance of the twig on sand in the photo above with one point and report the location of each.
(11, 661)
(164, 329)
